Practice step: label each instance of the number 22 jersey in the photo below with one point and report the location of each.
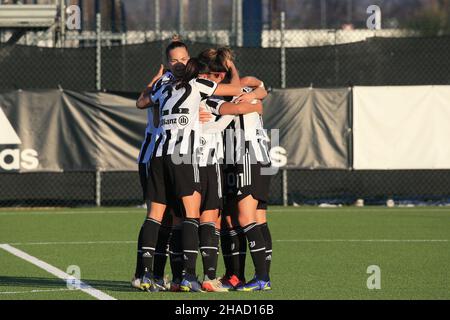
(179, 115)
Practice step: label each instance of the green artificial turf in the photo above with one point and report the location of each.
(318, 253)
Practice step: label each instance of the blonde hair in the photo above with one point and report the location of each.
(176, 38)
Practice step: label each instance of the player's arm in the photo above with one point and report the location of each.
(217, 126)
(144, 101)
(228, 90)
(259, 91)
(241, 108)
(234, 87)
(251, 82)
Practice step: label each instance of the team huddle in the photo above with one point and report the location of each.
(203, 167)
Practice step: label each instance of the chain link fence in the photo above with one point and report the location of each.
(118, 59)
(374, 61)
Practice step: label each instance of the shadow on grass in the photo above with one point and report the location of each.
(50, 283)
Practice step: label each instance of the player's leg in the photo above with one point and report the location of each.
(139, 271)
(261, 214)
(247, 219)
(233, 241)
(150, 229)
(226, 242)
(234, 246)
(161, 252)
(209, 247)
(185, 181)
(210, 178)
(190, 238)
(251, 191)
(176, 249)
(261, 220)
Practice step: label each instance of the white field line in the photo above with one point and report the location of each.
(363, 240)
(273, 210)
(67, 212)
(55, 271)
(36, 291)
(280, 240)
(72, 243)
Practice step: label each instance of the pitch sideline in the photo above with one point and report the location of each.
(56, 272)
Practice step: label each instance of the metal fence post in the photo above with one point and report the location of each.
(283, 86)
(98, 188)
(285, 187)
(157, 20)
(180, 17)
(209, 20)
(63, 22)
(239, 16)
(99, 52)
(233, 40)
(282, 50)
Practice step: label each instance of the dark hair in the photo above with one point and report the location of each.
(174, 45)
(217, 58)
(194, 67)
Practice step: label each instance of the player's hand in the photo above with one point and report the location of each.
(246, 97)
(205, 116)
(229, 64)
(157, 76)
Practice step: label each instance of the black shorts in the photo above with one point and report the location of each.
(262, 205)
(174, 206)
(251, 180)
(143, 177)
(212, 187)
(169, 182)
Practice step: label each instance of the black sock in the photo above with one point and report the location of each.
(139, 268)
(190, 245)
(268, 240)
(242, 240)
(208, 249)
(257, 250)
(176, 253)
(161, 251)
(225, 245)
(150, 231)
(235, 261)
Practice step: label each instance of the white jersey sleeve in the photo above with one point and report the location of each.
(217, 126)
(155, 94)
(214, 105)
(205, 87)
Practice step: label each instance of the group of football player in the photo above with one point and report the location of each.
(204, 167)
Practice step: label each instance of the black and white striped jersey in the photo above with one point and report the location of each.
(250, 137)
(179, 112)
(211, 150)
(151, 131)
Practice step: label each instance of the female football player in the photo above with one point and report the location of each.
(210, 157)
(176, 53)
(252, 158)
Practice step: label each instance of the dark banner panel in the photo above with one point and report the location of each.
(69, 131)
(313, 126)
(61, 130)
